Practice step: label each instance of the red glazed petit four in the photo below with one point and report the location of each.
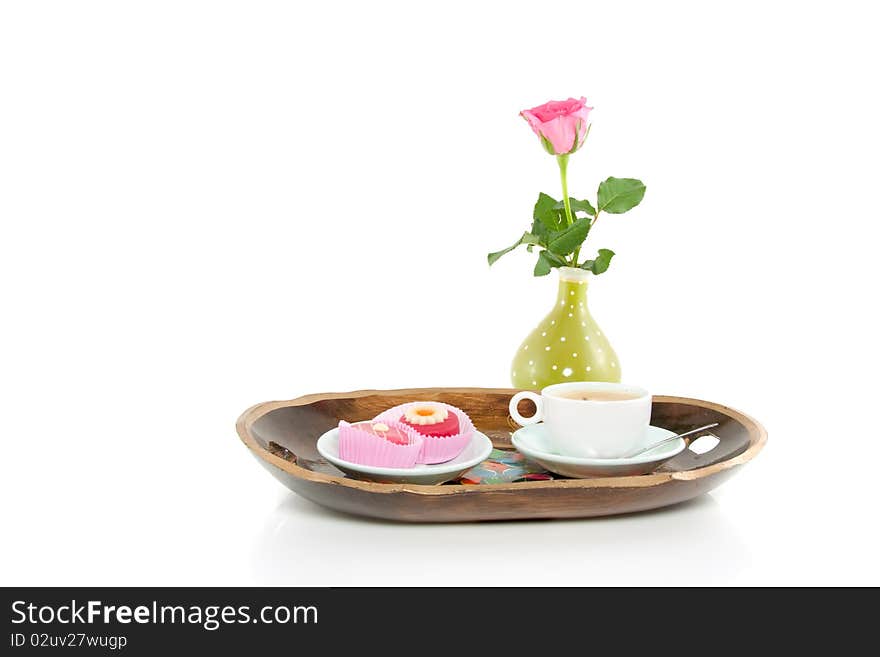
(431, 420)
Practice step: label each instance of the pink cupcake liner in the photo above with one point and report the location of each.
(435, 449)
(365, 448)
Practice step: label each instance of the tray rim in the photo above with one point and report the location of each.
(251, 415)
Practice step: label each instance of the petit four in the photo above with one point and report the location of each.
(444, 429)
(430, 419)
(380, 443)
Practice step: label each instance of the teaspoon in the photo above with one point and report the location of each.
(671, 438)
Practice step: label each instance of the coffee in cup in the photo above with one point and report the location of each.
(590, 419)
(598, 395)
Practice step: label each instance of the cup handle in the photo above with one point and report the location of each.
(539, 408)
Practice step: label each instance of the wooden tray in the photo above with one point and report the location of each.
(282, 436)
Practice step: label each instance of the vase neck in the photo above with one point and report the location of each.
(572, 286)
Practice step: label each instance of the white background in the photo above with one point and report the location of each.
(205, 205)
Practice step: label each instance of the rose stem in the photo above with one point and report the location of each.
(563, 173)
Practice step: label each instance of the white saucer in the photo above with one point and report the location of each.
(477, 451)
(532, 441)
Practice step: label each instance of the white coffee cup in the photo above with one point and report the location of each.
(589, 428)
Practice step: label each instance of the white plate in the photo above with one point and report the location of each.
(476, 451)
(532, 441)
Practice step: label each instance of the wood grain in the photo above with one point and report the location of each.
(282, 436)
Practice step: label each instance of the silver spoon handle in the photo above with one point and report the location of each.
(671, 438)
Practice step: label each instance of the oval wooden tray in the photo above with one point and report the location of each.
(282, 436)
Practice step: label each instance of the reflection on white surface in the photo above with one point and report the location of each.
(692, 543)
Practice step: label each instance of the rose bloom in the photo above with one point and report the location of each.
(561, 124)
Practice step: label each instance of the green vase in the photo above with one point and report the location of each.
(567, 345)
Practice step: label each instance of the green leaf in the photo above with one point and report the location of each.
(553, 221)
(568, 240)
(583, 206)
(539, 229)
(543, 266)
(546, 261)
(527, 238)
(542, 205)
(577, 206)
(601, 263)
(617, 195)
(547, 218)
(555, 260)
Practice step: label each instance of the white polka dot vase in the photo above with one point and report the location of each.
(567, 345)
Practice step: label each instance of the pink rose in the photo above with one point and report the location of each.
(561, 124)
